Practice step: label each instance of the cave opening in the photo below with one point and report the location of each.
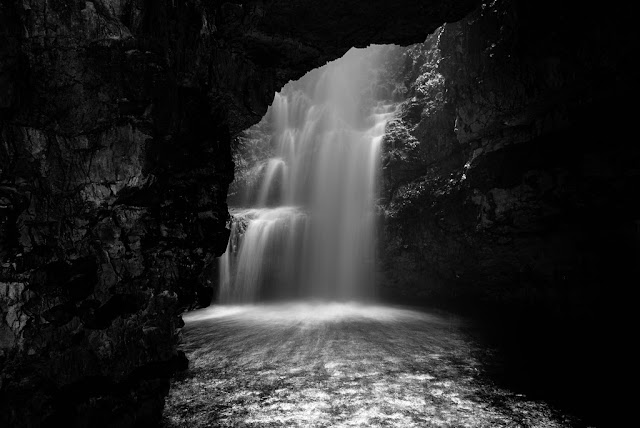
(505, 216)
(302, 319)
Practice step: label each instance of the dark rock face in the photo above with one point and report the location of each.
(507, 175)
(510, 180)
(115, 126)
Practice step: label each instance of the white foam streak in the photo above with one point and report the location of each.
(310, 312)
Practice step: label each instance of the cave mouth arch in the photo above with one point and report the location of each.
(115, 128)
(115, 123)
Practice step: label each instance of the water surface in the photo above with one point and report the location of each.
(340, 365)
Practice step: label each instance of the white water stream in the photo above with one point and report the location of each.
(309, 232)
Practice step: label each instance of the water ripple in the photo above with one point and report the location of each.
(339, 365)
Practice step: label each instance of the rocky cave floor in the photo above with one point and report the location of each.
(344, 365)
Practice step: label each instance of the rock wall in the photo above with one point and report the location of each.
(115, 126)
(509, 178)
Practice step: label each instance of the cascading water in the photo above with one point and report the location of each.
(310, 230)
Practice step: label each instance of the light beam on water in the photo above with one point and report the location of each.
(310, 230)
(341, 365)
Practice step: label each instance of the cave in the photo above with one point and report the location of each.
(501, 226)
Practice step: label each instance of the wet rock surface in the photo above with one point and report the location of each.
(508, 183)
(507, 178)
(115, 127)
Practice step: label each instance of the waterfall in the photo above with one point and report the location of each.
(309, 232)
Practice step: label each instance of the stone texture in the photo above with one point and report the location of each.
(510, 189)
(115, 125)
(508, 175)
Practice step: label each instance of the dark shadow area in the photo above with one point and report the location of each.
(566, 359)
